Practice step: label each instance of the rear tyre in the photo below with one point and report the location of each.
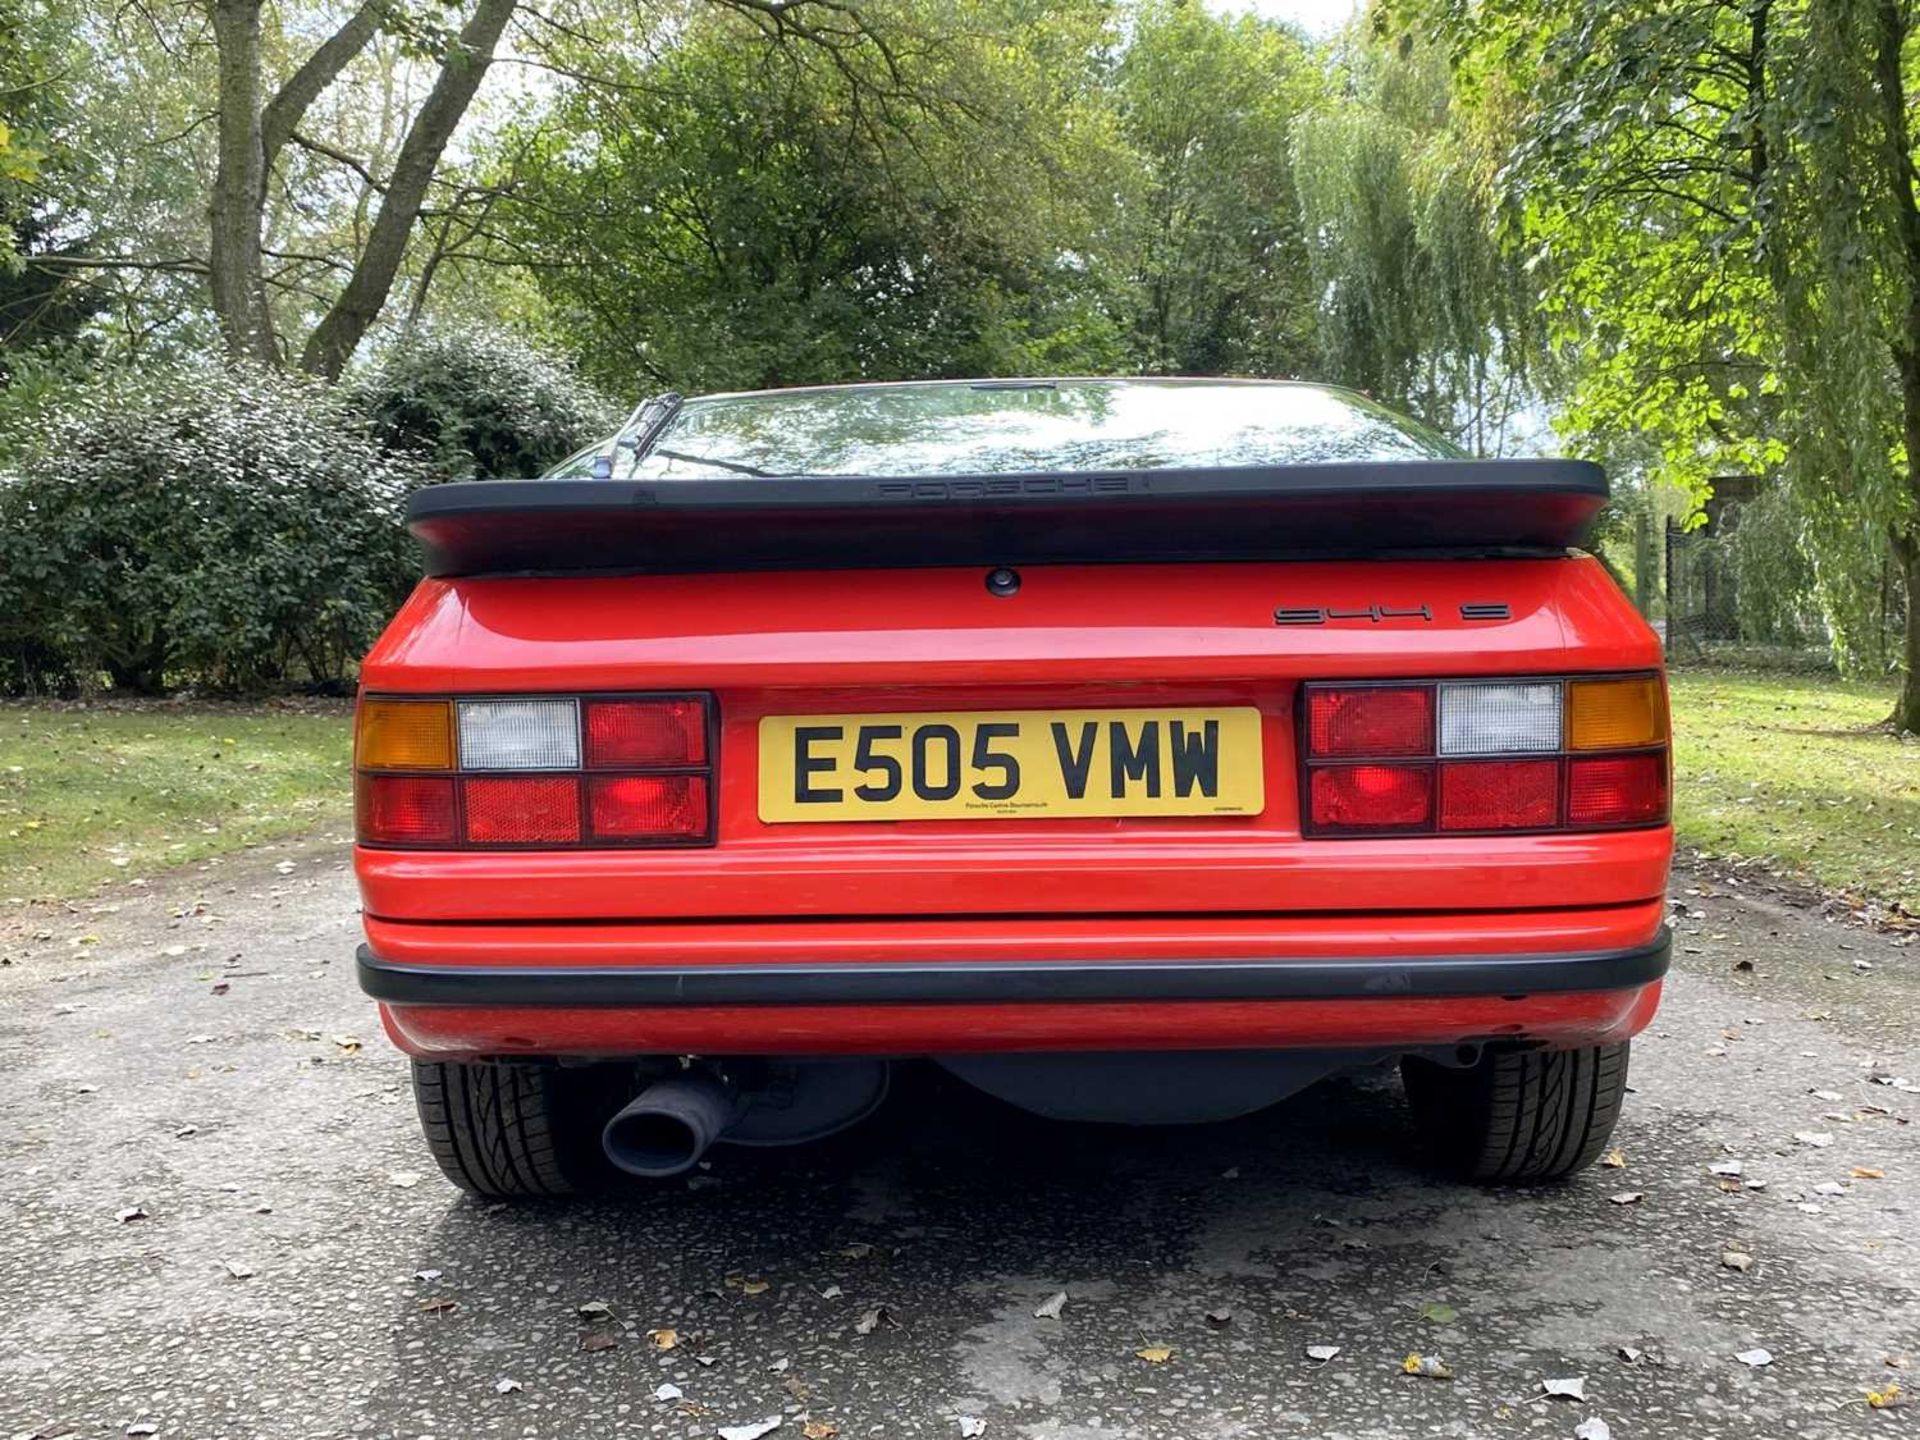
(510, 1129)
(1518, 1116)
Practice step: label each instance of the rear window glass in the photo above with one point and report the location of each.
(997, 429)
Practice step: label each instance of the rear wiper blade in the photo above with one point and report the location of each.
(642, 427)
(733, 465)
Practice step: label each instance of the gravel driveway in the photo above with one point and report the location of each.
(218, 1222)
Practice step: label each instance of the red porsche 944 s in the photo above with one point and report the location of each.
(1137, 750)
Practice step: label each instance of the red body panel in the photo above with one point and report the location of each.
(1113, 889)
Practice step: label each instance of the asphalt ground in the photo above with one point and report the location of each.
(217, 1220)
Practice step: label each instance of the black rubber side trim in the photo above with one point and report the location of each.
(1021, 982)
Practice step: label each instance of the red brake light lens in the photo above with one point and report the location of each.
(637, 733)
(1372, 797)
(1617, 790)
(648, 807)
(1371, 721)
(523, 810)
(404, 810)
(1499, 794)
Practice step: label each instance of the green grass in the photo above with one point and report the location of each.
(1790, 770)
(113, 792)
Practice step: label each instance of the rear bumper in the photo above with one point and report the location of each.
(1581, 978)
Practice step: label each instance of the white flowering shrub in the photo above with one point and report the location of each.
(198, 524)
(479, 404)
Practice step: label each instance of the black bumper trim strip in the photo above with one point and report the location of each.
(1014, 982)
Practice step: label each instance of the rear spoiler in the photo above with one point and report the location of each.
(1369, 511)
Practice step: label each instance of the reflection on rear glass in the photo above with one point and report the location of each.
(966, 429)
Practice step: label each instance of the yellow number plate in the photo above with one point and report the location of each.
(992, 765)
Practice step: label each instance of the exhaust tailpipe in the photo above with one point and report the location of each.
(667, 1128)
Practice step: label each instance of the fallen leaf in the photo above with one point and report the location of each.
(1322, 1353)
(1573, 1387)
(756, 1287)
(1884, 1399)
(971, 1425)
(668, 1392)
(1755, 1358)
(505, 1387)
(597, 1338)
(1615, 1159)
(870, 1321)
(1431, 1366)
(780, 1366)
(439, 1305)
(1628, 1197)
(859, 1250)
(592, 1310)
(832, 1292)
(1049, 1308)
(1631, 1354)
(819, 1430)
(1435, 1312)
(1737, 1260)
(1868, 1172)
(426, 1274)
(750, 1432)
(349, 1044)
(664, 1339)
(238, 1269)
(1592, 1428)
(1155, 1354)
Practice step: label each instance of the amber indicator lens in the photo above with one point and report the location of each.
(1616, 714)
(403, 735)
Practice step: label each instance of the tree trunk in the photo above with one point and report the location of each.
(333, 341)
(1906, 710)
(239, 187)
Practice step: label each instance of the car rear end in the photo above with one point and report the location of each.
(1161, 838)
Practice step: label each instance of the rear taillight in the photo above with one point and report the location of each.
(1469, 757)
(534, 771)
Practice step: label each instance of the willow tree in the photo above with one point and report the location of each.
(1719, 199)
(1420, 304)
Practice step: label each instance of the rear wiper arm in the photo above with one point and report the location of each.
(649, 418)
(733, 465)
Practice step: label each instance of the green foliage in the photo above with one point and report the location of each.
(1420, 304)
(729, 215)
(476, 403)
(1209, 234)
(232, 528)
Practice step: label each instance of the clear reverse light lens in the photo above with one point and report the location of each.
(519, 735)
(1499, 719)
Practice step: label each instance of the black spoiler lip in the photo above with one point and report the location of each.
(1329, 511)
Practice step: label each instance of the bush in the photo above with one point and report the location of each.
(232, 528)
(479, 404)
